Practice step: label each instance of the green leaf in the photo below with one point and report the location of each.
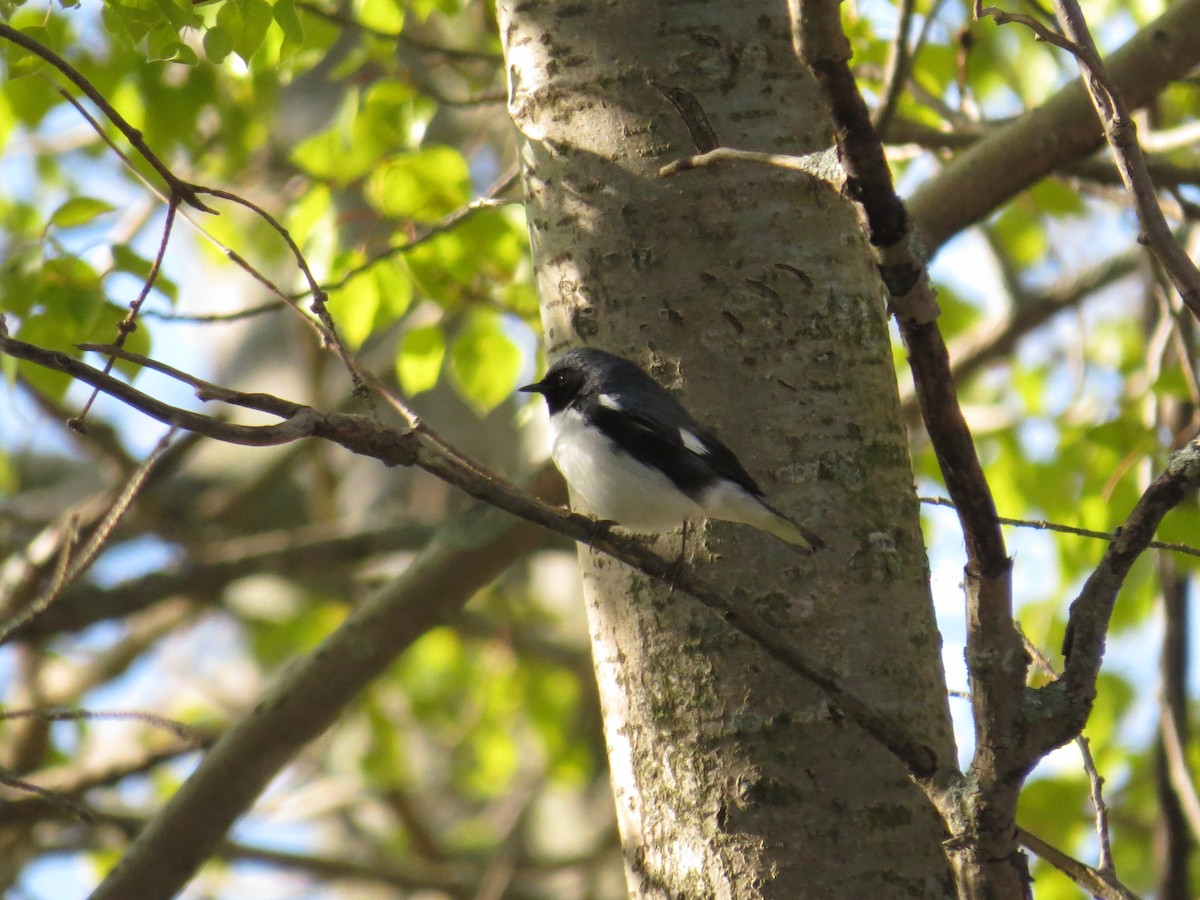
(256, 19)
(127, 261)
(164, 46)
(424, 186)
(311, 213)
(8, 476)
(289, 21)
(44, 330)
(424, 8)
(419, 361)
(484, 361)
(386, 16)
(79, 211)
(246, 22)
(371, 299)
(69, 291)
(8, 120)
(218, 43)
(355, 306)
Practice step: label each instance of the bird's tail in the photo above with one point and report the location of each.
(787, 529)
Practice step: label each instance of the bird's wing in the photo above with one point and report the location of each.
(658, 441)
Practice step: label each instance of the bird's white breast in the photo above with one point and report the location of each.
(612, 483)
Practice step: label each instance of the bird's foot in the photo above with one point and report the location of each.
(600, 529)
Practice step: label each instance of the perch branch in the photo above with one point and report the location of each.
(365, 437)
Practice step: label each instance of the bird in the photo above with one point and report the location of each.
(639, 459)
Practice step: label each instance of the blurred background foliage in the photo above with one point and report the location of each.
(375, 131)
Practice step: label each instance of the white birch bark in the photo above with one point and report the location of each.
(752, 292)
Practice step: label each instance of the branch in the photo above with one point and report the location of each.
(1043, 525)
(1105, 869)
(1178, 824)
(1178, 773)
(176, 186)
(1057, 711)
(992, 341)
(55, 788)
(72, 564)
(129, 324)
(204, 573)
(896, 74)
(50, 714)
(468, 554)
(1121, 132)
(1061, 130)
(822, 46)
(1095, 883)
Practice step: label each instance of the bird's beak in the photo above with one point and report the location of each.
(536, 388)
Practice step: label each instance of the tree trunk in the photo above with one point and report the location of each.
(752, 292)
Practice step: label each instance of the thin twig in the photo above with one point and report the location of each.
(896, 72)
(1178, 772)
(1105, 865)
(1091, 880)
(216, 318)
(1087, 626)
(486, 200)
(1043, 525)
(1040, 31)
(71, 566)
(185, 191)
(1121, 132)
(55, 799)
(129, 324)
(179, 729)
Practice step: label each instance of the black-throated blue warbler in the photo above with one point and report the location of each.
(632, 452)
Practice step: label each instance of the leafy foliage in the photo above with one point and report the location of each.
(366, 128)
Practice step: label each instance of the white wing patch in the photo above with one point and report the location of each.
(608, 401)
(692, 442)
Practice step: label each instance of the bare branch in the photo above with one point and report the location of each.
(1043, 525)
(178, 729)
(1121, 133)
(1058, 711)
(177, 187)
(205, 572)
(1178, 771)
(1063, 129)
(896, 73)
(1105, 867)
(56, 788)
(127, 325)
(731, 154)
(1040, 31)
(1092, 881)
(72, 565)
